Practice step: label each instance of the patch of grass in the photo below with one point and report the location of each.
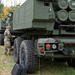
(45, 68)
(6, 63)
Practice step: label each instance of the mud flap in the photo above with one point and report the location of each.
(18, 69)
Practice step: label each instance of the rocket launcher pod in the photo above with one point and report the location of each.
(72, 16)
(62, 15)
(63, 4)
(72, 4)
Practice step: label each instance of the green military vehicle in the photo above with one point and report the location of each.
(47, 30)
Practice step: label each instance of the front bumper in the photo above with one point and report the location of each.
(57, 55)
(61, 51)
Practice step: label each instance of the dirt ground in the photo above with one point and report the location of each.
(45, 67)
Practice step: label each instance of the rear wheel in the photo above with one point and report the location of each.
(27, 56)
(17, 43)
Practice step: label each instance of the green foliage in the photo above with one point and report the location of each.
(15, 7)
(1, 8)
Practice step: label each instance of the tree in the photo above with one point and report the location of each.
(1, 10)
(7, 10)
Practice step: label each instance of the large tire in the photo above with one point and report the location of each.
(17, 43)
(27, 55)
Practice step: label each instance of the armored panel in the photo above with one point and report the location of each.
(32, 11)
(43, 10)
(23, 16)
(16, 18)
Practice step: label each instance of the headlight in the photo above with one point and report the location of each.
(61, 46)
(54, 46)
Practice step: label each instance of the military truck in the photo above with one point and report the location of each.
(46, 29)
